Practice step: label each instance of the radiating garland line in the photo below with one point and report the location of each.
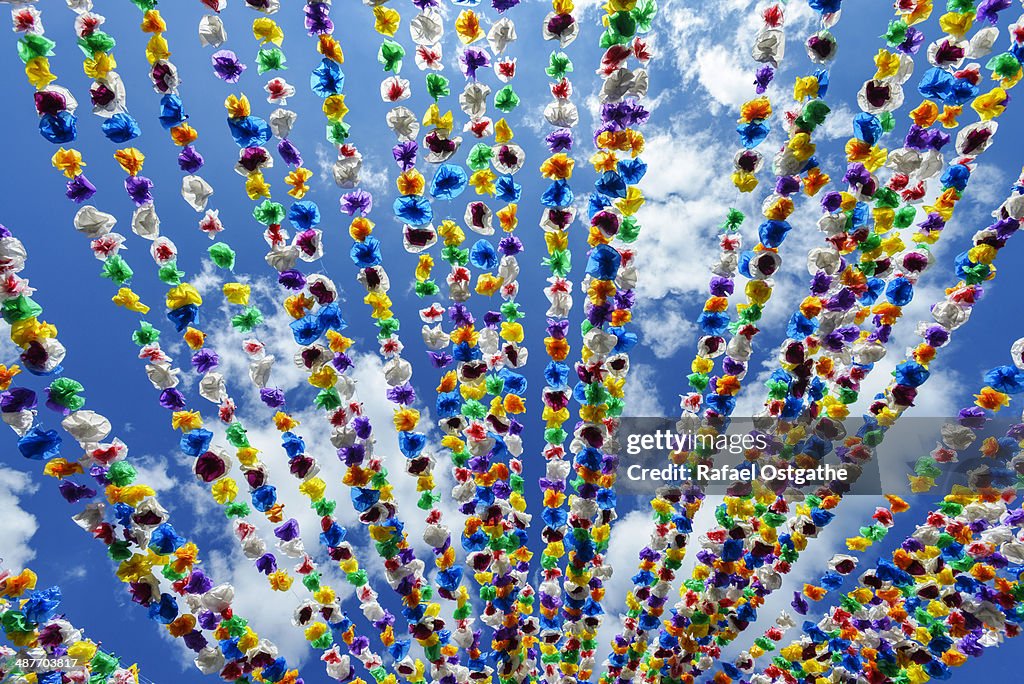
(58, 124)
(658, 562)
(900, 280)
(315, 290)
(949, 531)
(495, 534)
(849, 357)
(427, 31)
(886, 263)
(183, 304)
(943, 630)
(556, 220)
(212, 385)
(374, 501)
(413, 204)
(899, 287)
(768, 49)
(109, 102)
(448, 182)
(795, 168)
(609, 283)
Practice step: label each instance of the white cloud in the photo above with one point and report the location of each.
(153, 471)
(642, 391)
(726, 80)
(665, 329)
(19, 525)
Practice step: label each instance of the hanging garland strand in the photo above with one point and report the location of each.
(133, 504)
(604, 364)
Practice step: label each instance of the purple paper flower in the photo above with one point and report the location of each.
(460, 315)
(205, 360)
(189, 160)
(139, 189)
(510, 245)
(989, 10)
(559, 140)
(172, 399)
(357, 202)
(473, 59)
(765, 75)
(362, 427)
(273, 397)
(195, 641)
(342, 362)
(198, 583)
(440, 359)
(289, 153)
(226, 66)
(73, 492)
(288, 530)
(291, 280)
(80, 189)
(405, 154)
(402, 394)
(17, 399)
(266, 563)
(318, 19)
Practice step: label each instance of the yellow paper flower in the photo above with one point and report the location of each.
(334, 107)
(483, 181)
(157, 49)
(990, 105)
(502, 131)
(237, 293)
(386, 20)
(280, 580)
(130, 160)
(266, 31)
(186, 421)
(37, 70)
(224, 490)
(298, 179)
(99, 65)
(68, 162)
(183, 135)
(887, 63)
(558, 167)
(468, 28)
(195, 339)
(126, 298)
(152, 22)
(256, 186)
(238, 106)
(183, 295)
(329, 47)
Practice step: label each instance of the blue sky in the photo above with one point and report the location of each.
(700, 76)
